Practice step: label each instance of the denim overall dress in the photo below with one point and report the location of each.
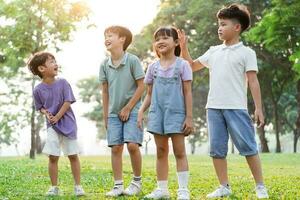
(167, 109)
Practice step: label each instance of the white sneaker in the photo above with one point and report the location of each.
(158, 194)
(261, 192)
(53, 191)
(78, 190)
(116, 191)
(133, 189)
(183, 194)
(221, 191)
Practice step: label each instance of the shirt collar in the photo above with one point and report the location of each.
(235, 46)
(123, 61)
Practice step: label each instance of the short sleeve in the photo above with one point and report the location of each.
(102, 73)
(68, 93)
(204, 59)
(138, 71)
(186, 72)
(37, 100)
(251, 61)
(149, 74)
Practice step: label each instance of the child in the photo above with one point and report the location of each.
(122, 75)
(169, 96)
(53, 97)
(231, 65)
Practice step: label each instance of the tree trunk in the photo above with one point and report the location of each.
(193, 148)
(146, 148)
(297, 131)
(38, 143)
(263, 141)
(232, 146)
(32, 120)
(278, 147)
(296, 136)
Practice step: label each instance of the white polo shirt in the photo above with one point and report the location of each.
(227, 75)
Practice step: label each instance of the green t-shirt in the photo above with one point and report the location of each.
(121, 81)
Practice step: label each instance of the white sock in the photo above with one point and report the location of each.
(119, 183)
(137, 179)
(162, 184)
(183, 179)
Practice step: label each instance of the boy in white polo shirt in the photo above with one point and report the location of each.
(231, 66)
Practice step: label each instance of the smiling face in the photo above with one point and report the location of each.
(164, 45)
(228, 29)
(49, 69)
(113, 41)
(166, 42)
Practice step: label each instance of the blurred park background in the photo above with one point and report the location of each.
(73, 31)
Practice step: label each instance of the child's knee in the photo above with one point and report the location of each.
(73, 157)
(162, 151)
(117, 149)
(53, 159)
(179, 154)
(132, 147)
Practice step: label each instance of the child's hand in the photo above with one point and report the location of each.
(124, 114)
(187, 128)
(140, 120)
(182, 38)
(259, 118)
(105, 122)
(48, 115)
(54, 119)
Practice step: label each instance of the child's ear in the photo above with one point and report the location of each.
(123, 38)
(177, 42)
(238, 27)
(41, 68)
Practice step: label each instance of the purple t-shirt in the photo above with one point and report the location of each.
(185, 70)
(52, 97)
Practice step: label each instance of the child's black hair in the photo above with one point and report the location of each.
(38, 59)
(236, 12)
(171, 32)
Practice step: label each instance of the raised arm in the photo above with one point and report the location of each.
(195, 64)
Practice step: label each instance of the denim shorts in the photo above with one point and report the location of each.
(237, 123)
(165, 122)
(119, 132)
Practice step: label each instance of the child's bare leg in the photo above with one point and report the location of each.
(75, 167)
(162, 152)
(181, 163)
(53, 169)
(179, 152)
(255, 167)
(220, 165)
(136, 158)
(116, 161)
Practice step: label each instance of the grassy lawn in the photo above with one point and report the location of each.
(22, 178)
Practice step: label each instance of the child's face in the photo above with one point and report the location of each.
(228, 29)
(165, 44)
(50, 68)
(113, 40)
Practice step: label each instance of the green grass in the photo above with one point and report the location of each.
(22, 178)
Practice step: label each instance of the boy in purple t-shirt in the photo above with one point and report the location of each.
(53, 97)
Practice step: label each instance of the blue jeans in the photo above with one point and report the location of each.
(237, 123)
(119, 132)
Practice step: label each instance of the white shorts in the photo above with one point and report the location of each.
(56, 142)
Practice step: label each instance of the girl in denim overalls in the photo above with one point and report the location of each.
(169, 96)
